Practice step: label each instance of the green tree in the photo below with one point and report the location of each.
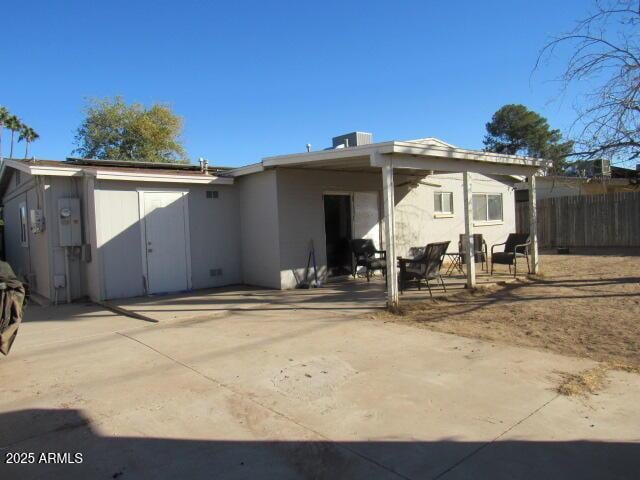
(4, 116)
(29, 135)
(15, 125)
(117, 131)
(516, 130)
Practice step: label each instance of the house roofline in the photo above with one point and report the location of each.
(106, 173)
(437, 149)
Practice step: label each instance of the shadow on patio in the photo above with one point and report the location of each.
(70, 431)
(345, 295)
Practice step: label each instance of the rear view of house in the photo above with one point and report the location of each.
(105, 229)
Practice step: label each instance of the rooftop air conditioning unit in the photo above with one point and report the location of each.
(353, 139)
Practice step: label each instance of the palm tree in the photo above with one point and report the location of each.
(4, 116)
(13, 124)
(34, 136)
(29, 135)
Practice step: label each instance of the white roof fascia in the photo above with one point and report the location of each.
(151, 177)
(64, 171)
(246, 170)
(520, 178)
(411, 148)
(43, 170)
(431, 140)
(58, 172)
(309, 157)
(462, 154)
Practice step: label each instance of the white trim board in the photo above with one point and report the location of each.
(150, 177)
(106, 174)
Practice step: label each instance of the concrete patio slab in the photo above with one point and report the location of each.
(345, 296)
(341, 297)
(50, 325)
(297, 387)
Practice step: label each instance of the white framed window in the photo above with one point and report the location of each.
(443, 204)
(24, 226)
(487, 207)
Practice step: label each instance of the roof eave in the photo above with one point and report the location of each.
(334, 153)
(246, 170)
(464, 154)
(403, 147)
(163, 178)
(105, 174)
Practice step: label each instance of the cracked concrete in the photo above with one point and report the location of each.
(295, 387)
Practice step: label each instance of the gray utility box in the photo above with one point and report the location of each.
(353, 139)
(69, 224)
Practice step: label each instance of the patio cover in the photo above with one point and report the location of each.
(417, 158)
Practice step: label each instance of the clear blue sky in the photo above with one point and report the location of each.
(258, 78)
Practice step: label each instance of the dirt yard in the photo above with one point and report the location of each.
(582, 305)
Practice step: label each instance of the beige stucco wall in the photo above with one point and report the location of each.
(43, 258)
(64, 187)
(301, 213)
(92, 270)
(418, 225)
(214, 236)
(30, 262)
(259, 233)
(111, 226)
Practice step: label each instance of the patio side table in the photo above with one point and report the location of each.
(456, 263)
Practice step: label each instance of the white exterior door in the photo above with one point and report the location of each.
(366, 216)
(165, 248)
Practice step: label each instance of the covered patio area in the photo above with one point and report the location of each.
(390, 166)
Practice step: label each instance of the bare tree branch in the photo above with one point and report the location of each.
(605, 56)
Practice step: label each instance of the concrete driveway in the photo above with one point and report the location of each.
(296, 386)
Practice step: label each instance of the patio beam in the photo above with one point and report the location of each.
(468, 229)
(533, 225)
(455, 165)
(389, 227)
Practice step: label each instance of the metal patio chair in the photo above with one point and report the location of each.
(479, 248)
(423, 267)
(366, 255)
(516, 246)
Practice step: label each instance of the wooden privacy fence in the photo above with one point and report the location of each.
(607, 220)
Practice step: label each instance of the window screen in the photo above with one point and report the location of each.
(443, 202)
(487, 207)
(494, 207)
(479, 207)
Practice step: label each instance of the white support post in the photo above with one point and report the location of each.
(468, 229)
(533, 226)
(389, 230)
